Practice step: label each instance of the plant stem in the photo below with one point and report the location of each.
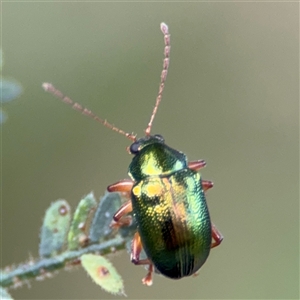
(46, 267)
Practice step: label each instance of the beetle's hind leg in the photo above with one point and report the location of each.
(136, 249)
(216, 235)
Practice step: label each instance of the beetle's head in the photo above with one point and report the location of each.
(141, 143)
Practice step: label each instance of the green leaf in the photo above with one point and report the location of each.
(9, 90)
(78, 236)
(103, 273)
(107, 207)
(4, 295)
(1, 59)
(55, 228)
(3, 116)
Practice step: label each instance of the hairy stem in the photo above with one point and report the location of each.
(46, 267)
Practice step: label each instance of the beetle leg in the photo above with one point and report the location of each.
(197, 164)
(136, 248)
(148, 279)
(207, 184)
(216, 235)
(125, 209)
(124, 185)
(119, 219)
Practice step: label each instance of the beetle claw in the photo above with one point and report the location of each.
(148, 279)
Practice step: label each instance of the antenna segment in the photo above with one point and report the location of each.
(48, 87)
(165, 30)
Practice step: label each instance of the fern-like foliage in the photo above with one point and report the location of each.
(82, 239)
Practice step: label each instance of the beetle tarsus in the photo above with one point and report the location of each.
(136, 248)
(148, 279)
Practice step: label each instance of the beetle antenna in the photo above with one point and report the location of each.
(165, 30)
(48, 87)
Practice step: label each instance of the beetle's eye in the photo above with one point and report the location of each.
(159, 137)
(134, 148)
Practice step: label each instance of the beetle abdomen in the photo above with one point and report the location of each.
(173, 222)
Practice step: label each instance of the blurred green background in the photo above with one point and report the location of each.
(231, 98)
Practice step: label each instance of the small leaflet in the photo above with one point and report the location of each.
(9, 90)
(3, 116)
(55, 228)
(77, 236)
(4, 295)
(103, 273)
(1, 59)
(107, 207)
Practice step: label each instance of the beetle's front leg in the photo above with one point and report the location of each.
(119, 218)
(122, 186)
(136, 248)
(216, 235)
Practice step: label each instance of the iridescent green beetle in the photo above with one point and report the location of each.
(166, 196)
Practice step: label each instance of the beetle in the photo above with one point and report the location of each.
(166, 196)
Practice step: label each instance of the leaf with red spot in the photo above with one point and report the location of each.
(103, 273)
(55, 228)
(78, 234)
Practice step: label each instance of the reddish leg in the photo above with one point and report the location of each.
(197, 164)
(124, 185)
(119, 218)
(136, 249)
(207, 184)
(216, 235)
